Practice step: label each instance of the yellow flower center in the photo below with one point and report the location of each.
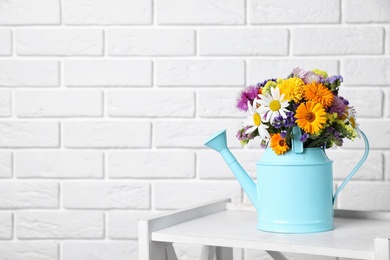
(256, 119)
(310, 116)
(274, 105)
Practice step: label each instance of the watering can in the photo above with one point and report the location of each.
(294, 191)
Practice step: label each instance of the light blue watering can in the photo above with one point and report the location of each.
(294, 191)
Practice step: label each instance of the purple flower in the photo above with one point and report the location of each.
(242, 136)
(338, 106)
(333, 79)
(262, 84)
(304, 137)
(248, 94)
(287, 122)
(346, 102)
(283, 133)
(336, 136)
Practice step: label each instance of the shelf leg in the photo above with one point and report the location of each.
(276, 255)
(208, 253)
(382, 248)
(224, 253)
(170, 252)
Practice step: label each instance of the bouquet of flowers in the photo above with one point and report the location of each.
(307, 99)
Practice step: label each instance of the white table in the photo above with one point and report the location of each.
(220, 225)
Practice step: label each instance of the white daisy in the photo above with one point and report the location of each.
(273, 105)
(254, 120)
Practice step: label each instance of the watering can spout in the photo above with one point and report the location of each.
(218, 143)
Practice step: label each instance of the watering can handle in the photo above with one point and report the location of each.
(297, 145)
(367, 148)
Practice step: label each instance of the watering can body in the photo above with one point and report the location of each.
(294, 191)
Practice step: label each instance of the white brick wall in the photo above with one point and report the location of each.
(104, 107)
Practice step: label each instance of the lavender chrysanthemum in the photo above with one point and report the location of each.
(311, 77)
(338, 106)
(299, 73)
(248, 94)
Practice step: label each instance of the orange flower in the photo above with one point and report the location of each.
(278, 144)
(311, 117)
(318, 93)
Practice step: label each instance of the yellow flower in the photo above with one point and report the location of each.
(311, 117)
(278, 144)
(318, 93)
(292, 88)
(267, 87)
(320, 73)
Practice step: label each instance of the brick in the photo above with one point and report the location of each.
(58, 164)
(5, 164)
(5, 42)
(185, 134)
(243, 41)
(151, 164)
(316, 41)
(200, 72)
(28, 195)
(288, 12)
(107, 250)
(365, 196)
(6, 226)
(26, 12)
(377, 132)
(5, 103)
(367, 106)
(107, 73)
(124, 224)
(260, 70)
(200, 12)
(60, 225)
(57, 42)
(141, 103)
(366, 71)
(345, 160)
(107, 134)
(217, 103)
(101, 12)
(173, 195)
(29, 134)
(360, 11)
(387, 165)
(108, 195)
(29, 73)
(30, 250)
(151, 42)
(388, 39)
(212, 166)
(56, 103)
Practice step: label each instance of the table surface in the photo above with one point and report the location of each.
(352, 237)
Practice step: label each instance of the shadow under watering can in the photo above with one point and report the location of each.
(294, 191)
